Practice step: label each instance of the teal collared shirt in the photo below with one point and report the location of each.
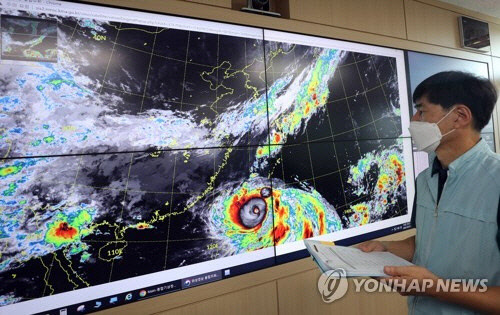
(456, 238)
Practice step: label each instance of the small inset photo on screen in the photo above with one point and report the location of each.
(29, 39)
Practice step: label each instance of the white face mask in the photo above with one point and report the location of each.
(426, 135)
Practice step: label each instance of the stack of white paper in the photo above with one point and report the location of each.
(355, 262)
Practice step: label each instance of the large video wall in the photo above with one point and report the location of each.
(139, 149)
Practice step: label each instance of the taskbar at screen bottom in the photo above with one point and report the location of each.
(131, 296)
(128, 297)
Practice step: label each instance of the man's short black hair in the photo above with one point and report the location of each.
(454, 87)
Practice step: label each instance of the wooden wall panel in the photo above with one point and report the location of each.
(215, 289)
(494, 22)
(375, 16)
(261, 299)
(433, 25)
(195, 10)
(299, 295)
(218, 3)
(495, 39)
(462, 11)
(318, 11)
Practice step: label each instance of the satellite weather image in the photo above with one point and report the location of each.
(130, 149)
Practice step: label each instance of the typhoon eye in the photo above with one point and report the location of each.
(252, 213)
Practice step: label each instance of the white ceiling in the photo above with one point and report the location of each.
(488, 7)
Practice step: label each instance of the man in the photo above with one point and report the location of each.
(457, 205)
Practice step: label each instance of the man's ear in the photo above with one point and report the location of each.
(464, 116)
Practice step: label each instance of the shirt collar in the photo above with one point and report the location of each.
(479, 147)
(437, 167)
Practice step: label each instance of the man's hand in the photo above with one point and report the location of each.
(483, 301)
(404, 248)
(372, 246)
(411, 280)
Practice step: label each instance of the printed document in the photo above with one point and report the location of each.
(355, 262)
